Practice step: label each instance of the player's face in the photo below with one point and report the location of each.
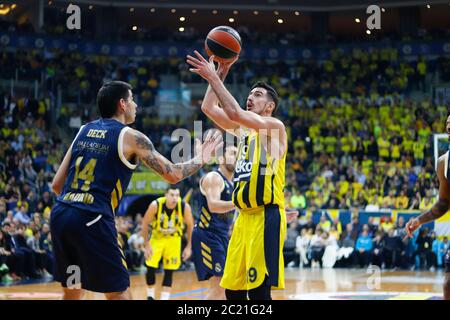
(172, 197)
(230, 158)
(130, 109)
(447, 127)
(258, 101)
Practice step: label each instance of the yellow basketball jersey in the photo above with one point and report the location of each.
(166, 223)
(259, 179)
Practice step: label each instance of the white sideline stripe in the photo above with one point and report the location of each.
(93, 221)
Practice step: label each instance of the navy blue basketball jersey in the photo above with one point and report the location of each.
(98, 173)
(216, 222)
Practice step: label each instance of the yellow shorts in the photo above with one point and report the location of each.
(256, 250)
(168, 248)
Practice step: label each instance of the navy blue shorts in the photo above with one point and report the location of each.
(209, 251)
(88, 242)
(447, 261)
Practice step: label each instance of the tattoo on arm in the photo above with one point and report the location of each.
(144, 142)
(437, 211)
(155, 161)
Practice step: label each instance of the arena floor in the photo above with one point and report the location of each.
(301, 284)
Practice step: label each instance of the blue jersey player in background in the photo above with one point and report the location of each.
(210, 236)
(90, 183)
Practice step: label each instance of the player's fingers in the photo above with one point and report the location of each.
(194, 70)
(192, 60)
(200, 56)
(211, 59)
(192, 63)
(208, 136)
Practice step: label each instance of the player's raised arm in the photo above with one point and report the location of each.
(210, 104)
(440, 207)
(138, 144)
(211, 185)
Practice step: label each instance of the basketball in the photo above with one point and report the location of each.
(223, 42)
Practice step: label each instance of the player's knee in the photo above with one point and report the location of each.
(150, 276)
(235, 294)
(167, 280)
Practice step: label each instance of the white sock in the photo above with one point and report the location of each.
(151, 292)
(165, 295)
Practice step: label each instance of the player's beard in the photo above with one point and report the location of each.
(230, 167)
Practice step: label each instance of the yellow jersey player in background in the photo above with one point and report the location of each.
(166, 215)
(255, 254)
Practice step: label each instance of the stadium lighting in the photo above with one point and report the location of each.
(231, 20)
(255, 12)
(357, 20)
(91, 7)
(297, 13)
(383, 9)
(235, 12)
(276, 13)
(134, 28)
(182, 18)
(173, 10)
(280, 21)
(181, 29)
(428, 6)
(194, 10)
(13, 6)
(214, 11)
(131, 9)
(368, 32)
(50, 3)
(152, 10)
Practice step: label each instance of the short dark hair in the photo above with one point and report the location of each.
(109, 95)
(271, 92)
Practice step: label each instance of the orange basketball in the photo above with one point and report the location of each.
(223, 42)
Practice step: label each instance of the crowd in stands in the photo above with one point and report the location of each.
(379, 242)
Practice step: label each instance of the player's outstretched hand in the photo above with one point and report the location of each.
(412, 225)
(204, 68)
(213, 142)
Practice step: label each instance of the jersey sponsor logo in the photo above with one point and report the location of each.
(218, 267)
(86, 198)
(93, 133)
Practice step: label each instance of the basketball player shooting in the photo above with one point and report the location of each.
(439, 208)
(255, 254)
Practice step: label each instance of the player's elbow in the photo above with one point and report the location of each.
(172, 179)
(56, 188)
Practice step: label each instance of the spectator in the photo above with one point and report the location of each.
(363, 249)
(317, 248)
(136, 243)
(291, 258)
(22, 215)
(302, 245)
(393, 248)
(378, 250)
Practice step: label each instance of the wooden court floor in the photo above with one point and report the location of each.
(301, 284)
